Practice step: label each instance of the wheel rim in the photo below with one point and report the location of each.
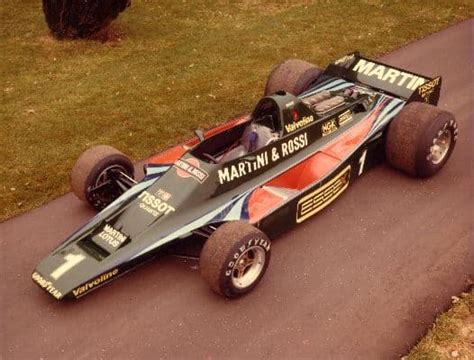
(248, 267)
(106, 189)
(440, 147)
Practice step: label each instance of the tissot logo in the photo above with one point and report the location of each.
(427, 89)
(154, 205)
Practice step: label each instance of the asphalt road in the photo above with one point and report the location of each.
(363, 279)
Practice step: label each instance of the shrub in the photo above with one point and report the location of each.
(71, 19)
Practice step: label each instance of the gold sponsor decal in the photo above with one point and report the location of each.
(93, 283)
(328, 127)
(322, 197)
(427, 88)
(47, 285)
(385, 73)
(305, 120)
(345, 117)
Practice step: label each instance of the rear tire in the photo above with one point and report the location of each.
(235, 258)
(93, 168)
(420, 139)
(293, 76)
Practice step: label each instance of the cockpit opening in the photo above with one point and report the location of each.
(263, 128)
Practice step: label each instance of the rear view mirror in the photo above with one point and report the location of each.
(200, 134)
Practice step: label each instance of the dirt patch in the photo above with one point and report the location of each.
(113, 35)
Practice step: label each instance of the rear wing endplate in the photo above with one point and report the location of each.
(386, 78)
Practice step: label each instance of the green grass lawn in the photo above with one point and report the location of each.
(179, 65)
(451, 336)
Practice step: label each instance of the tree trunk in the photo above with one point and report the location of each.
(71, 19)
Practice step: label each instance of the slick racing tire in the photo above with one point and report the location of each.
(293, 76)
(420, 139)
(235, 258)
(97, 173)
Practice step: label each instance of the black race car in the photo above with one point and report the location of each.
(232, 189)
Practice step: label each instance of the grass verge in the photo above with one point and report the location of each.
(451, 336)
(171, 67)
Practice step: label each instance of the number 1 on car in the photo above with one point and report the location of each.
(362, 162)
(71, 261)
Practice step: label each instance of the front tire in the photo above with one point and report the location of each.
(420, 139)
(293, 76)
(100, 175)
(235, 258)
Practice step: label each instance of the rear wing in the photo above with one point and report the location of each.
(385, 78)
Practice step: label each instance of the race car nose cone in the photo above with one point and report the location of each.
(71, 272)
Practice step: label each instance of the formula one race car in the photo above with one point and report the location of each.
(237, 186)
